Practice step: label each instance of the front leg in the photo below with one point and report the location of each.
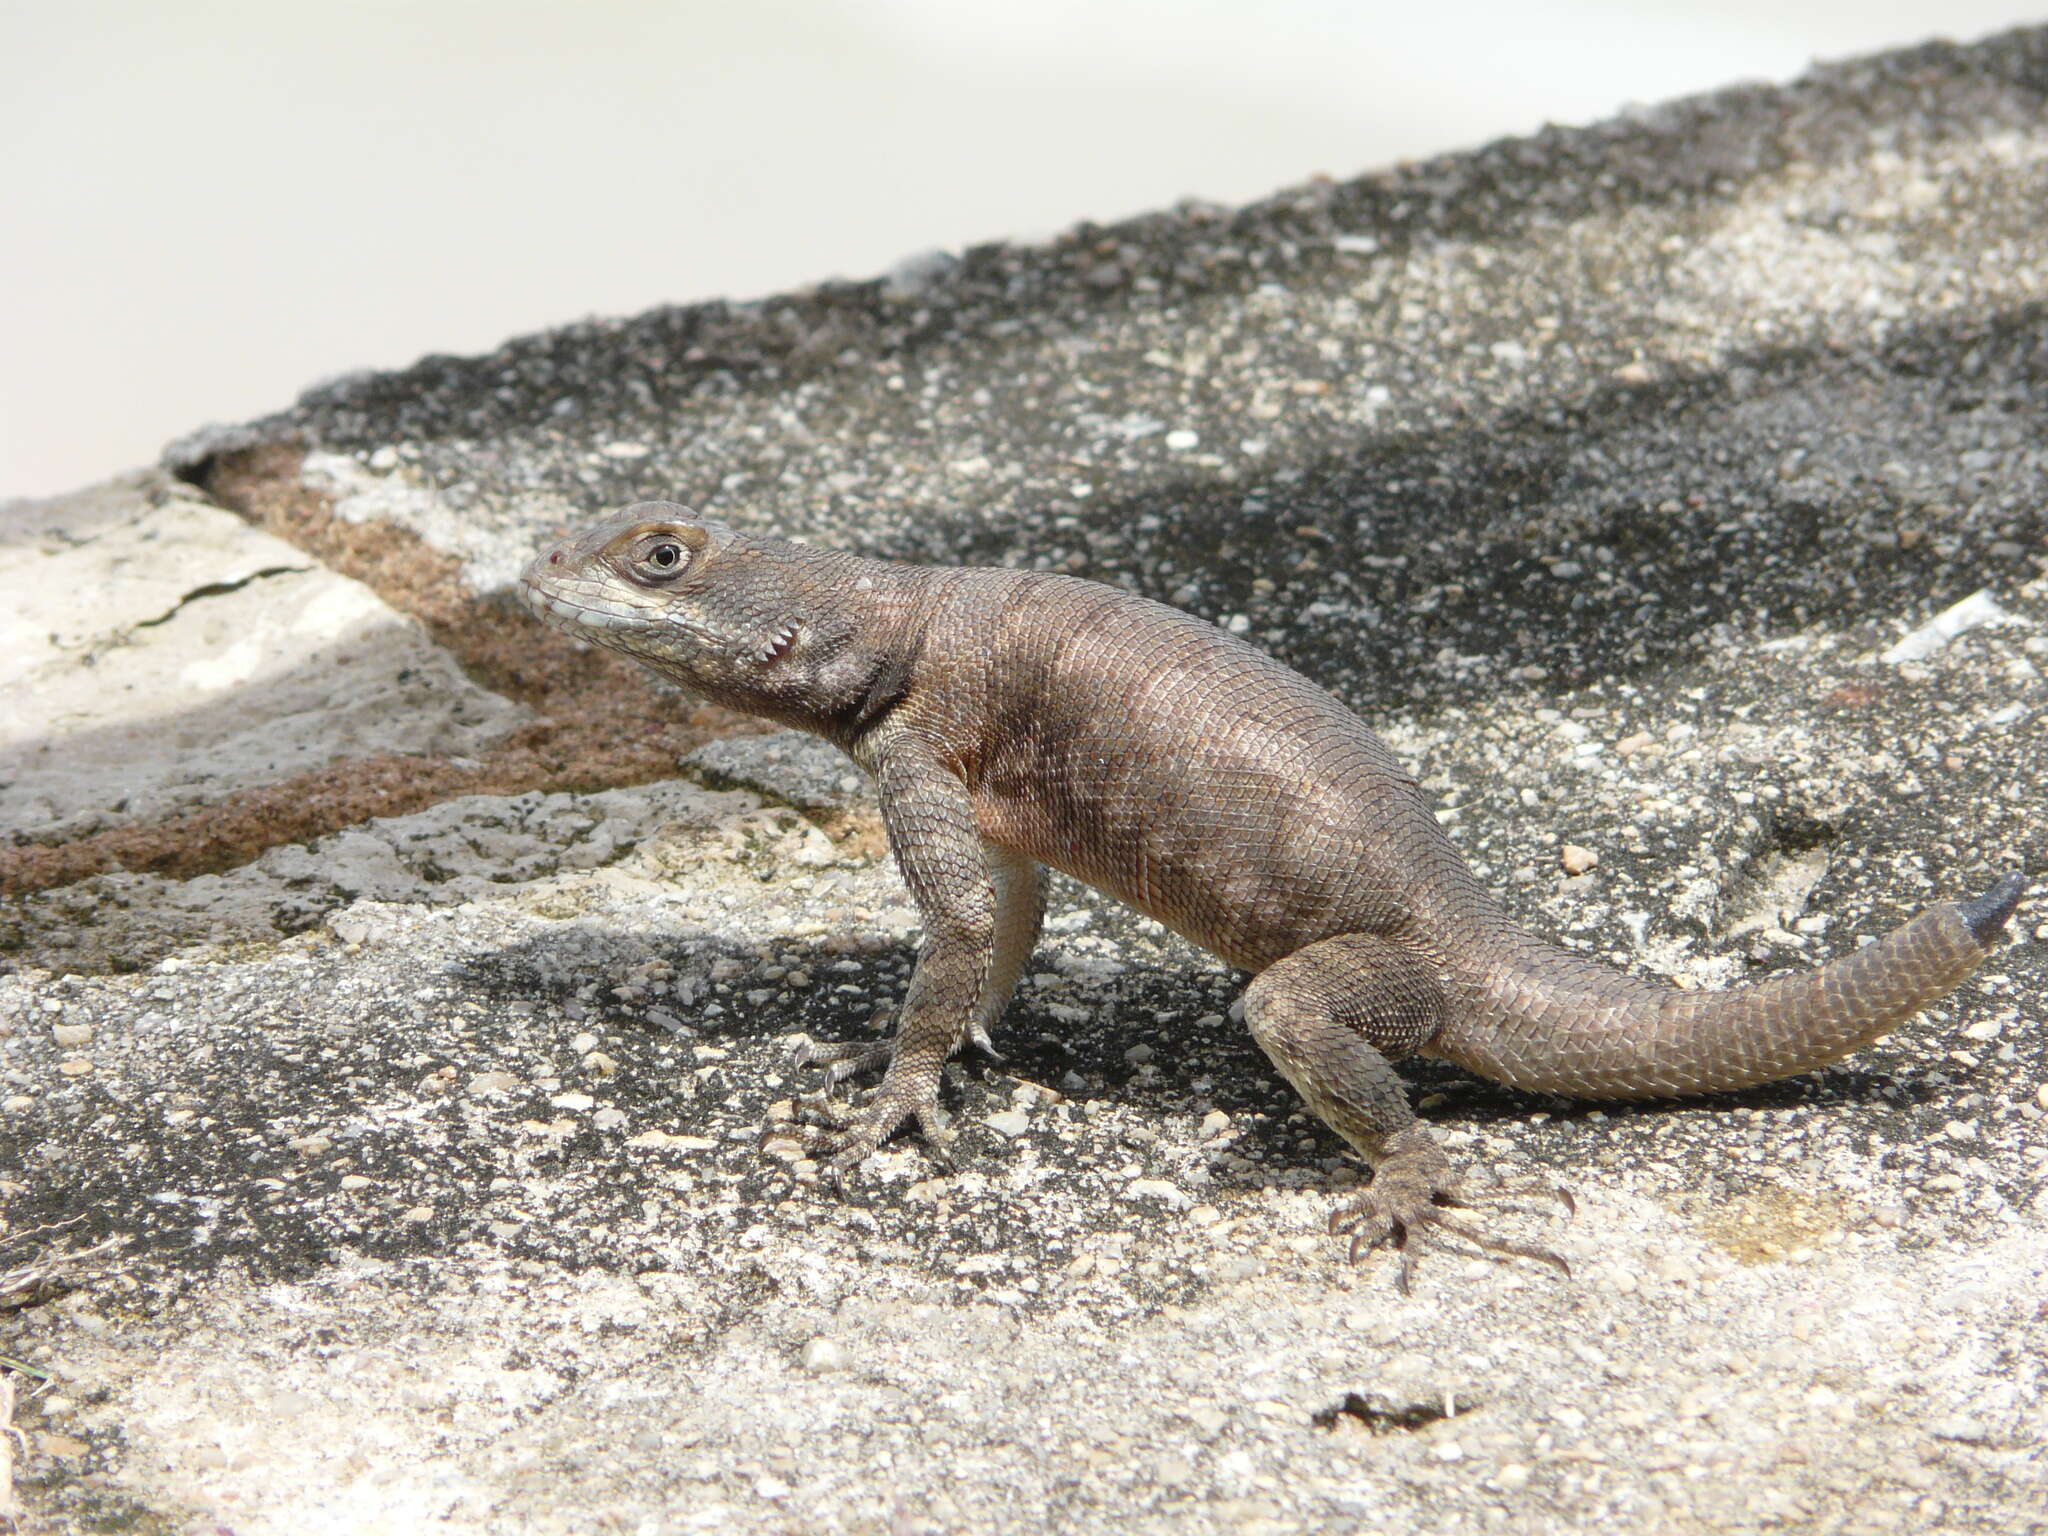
(1019, 915)
(932, 832)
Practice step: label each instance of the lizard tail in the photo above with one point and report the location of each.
(1552, 1021)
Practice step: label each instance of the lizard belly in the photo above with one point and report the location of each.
(1246, 904)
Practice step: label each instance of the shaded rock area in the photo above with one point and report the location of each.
(415, 997)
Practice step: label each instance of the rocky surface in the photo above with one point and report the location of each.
(159, 653)
(1671, 493)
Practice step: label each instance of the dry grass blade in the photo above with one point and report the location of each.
(29, 1279)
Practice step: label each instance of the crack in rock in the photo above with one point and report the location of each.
(217, 589)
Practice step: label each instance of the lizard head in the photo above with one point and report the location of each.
(748, 621)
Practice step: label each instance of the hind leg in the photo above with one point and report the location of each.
(1332, 1016)
(1020, 914)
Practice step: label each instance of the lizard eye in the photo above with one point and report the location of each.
(656, 556)
(659, 559)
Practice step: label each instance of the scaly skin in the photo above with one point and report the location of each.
(1014, 718)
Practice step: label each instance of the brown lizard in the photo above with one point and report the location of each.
(1015, 719)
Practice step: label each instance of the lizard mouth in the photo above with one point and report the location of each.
(778, 644)
(566, 613)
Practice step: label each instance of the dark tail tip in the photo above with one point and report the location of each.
(1987, 914)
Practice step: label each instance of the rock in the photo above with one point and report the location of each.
(209, 658)
(791, 766)
(1576, 860)
(1974, 611)
(823, 1355)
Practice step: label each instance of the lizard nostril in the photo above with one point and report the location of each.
(555, 558)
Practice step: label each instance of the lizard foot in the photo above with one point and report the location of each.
(1408, 1205)
(848, 1143)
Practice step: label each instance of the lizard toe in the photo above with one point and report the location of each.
(843, 1059)
(1409, 1211)
(860, 1136)
(1534, 1197)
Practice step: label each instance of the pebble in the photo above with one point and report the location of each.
(1576, 860)
(822, 1354)
(483, 1084)
(673, 1143)
(1010, 1122)
(1169, 1194)
(75, 1066)
(350, 928)
(1182, 440)
(1959, 618)
(356, 1181)
(71, 1034)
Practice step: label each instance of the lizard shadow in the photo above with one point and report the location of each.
(708, 1047)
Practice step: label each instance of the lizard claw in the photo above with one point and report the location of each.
(1406, 1208)
(1519, 1198)
(843, 1059)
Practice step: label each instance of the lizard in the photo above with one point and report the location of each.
(1014, 720)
